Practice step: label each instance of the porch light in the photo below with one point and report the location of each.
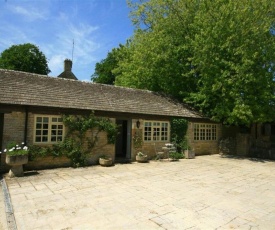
(138, 124)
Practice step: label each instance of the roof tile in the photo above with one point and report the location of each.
(21, 88)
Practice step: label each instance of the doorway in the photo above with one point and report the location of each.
(123, 150)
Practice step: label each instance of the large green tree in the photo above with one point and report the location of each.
(217, 55)
(157, 58)
(24, 57)
(104, 69)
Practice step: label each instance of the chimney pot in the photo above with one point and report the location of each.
(68, 65)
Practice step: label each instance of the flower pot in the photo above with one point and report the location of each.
(16, 162)
(189, 154)
(105, 162)
(141, 159)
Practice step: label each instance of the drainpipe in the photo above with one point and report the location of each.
(26, 125)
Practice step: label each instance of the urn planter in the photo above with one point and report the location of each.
(105, 161)
(141, 159)
(16, 162)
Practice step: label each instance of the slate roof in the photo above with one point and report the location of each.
(21, 88)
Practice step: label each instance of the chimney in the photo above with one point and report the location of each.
(67, 73)
(68, 65)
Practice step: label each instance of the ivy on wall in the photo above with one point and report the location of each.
(178, 133)
(137, 139)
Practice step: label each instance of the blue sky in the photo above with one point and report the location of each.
(96, 26)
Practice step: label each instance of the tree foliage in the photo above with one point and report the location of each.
(25, 57)
(104, 69)
(217, 55)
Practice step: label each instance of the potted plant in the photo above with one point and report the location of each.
(141, 157)
(105, 160)
(16, 156)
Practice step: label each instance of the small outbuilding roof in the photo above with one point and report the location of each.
(67, 73)
(21, 88)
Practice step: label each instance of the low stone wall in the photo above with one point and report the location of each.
(47, 162)
(204, 147)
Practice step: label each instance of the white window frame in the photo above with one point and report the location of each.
(205, 132)
(48, 130)
(154, 131)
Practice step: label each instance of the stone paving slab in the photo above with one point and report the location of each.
(208, 192)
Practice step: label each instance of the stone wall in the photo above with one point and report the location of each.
(203, 147)
(243, 144)
(255, 141)
(200, 147)
(262, 141)
(151, 147)
(47, 163)
(227, 146)
(14, 130)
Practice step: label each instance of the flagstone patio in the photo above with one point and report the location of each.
(208, 192)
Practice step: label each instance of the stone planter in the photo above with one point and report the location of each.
(141, 159)
(16, 162)
(105, 162)
(189, 154)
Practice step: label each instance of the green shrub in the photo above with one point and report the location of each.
(176, 155)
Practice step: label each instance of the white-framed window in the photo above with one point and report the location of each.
(48, 129)
(205, 132)
(156, 131)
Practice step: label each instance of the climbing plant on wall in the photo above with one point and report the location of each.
(178, 131)
(78, 144)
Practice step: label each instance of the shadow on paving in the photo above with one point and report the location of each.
(254, 159)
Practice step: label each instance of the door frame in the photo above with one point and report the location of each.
(128, 136)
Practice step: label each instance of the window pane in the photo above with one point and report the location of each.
(205, 132)
(147, 124)
(155, 131)
(45, 119)
(45, 132)
(48, 129)
(38, 132)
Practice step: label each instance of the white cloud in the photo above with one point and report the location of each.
(14, 35)
(84, 46)
(53, 25)
(29, 12)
